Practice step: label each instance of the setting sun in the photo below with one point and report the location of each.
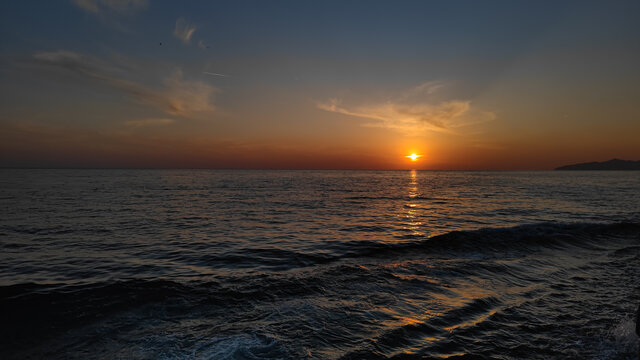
(414, 157)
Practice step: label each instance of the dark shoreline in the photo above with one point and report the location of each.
(613, 164)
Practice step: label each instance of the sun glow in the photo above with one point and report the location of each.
(414, 157)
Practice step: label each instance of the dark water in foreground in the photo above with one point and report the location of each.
(126, 264)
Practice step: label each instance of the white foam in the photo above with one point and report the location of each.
(619, 342)
(244, 346)
(624, 334)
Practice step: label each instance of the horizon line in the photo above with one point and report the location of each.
(256, 169)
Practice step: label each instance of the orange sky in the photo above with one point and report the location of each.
(154, 85)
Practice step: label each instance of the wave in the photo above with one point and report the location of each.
(436, 330)
(530, 236)
(523, 238)
(37, 311)
(33, 312)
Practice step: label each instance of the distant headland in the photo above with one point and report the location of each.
(613, 164)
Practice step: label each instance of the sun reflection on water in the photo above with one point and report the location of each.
(410, 218)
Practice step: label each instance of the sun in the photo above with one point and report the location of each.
(414, 157)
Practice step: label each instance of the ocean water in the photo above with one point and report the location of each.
(198, 264)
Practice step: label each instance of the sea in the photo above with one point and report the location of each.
(255, 264)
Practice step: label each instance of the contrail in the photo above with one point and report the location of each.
(214, 74)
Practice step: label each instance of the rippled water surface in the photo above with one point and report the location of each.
(157, 264)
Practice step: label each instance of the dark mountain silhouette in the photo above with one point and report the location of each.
(613, 164)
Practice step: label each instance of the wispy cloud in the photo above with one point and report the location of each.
(80, 63)
(426, 88)
(178, 97)
(125, 6)
(148, 122)
(214, 74)
(183, 30)
(113, 13)
(413, 111)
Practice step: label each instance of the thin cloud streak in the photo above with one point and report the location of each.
(188, 99)
(214, 74)
(76, 62)
(148, 122)
(123, 6)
